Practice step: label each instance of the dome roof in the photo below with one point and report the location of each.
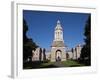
(58, 26)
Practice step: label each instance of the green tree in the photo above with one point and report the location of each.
(28, 44)
(40, 54)
(44, 55)
(86, 50)
(25, 29)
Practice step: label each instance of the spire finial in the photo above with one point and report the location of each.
(58, 22)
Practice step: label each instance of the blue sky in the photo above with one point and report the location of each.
(41, 25)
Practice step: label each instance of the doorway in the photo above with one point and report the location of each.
(58, 55)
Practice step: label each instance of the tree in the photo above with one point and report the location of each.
(40, 54)
(86, 50)
(28, 44)
(44, 55)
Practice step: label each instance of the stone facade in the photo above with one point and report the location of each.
(74, 53)
(69, 55)
(78, 51)
(58, 52)
(36, 55)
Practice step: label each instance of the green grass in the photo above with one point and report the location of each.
(48, 65)
(68, 63)
(71, 63)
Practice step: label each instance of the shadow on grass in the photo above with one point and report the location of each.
(49, 66)
(75, 66)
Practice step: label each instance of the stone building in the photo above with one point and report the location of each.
(74, 53)
(36, 55)
(58, 48)
(77, 51)
(58, 52)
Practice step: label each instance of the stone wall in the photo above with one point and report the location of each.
(51, 55)
(36, 55)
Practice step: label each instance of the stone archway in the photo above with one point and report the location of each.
(58, 55)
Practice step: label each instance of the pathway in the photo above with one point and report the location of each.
(58, 64)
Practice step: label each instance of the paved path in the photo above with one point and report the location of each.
(58, 64)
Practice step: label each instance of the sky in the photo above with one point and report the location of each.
(41, 25)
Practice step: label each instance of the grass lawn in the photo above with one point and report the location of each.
(37, 65)
(71, 63)
(48, 65)
(68, 63)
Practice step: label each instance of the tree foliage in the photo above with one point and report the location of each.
(40, 54)
(28, 44)
(44, 55)
(86, 50)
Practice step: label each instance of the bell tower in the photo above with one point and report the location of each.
(58, 35)
(58, 49)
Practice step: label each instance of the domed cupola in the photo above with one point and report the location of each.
(58, 26)
(58, 32)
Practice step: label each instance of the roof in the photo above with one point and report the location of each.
(58, 26)
(58, 44)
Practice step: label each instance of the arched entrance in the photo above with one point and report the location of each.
(58, 55)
